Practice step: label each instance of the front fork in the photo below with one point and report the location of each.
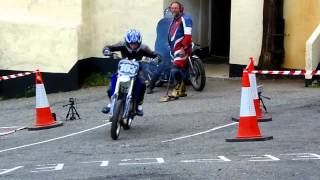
(191, 65)
(128, 101)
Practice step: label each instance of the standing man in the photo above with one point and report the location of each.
(180, 42)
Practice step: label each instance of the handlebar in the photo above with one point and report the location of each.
(151, 60)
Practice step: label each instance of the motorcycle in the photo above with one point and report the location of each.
(195, 72)
(123, 104)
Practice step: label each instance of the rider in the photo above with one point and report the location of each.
(180, 42)
(131, 48)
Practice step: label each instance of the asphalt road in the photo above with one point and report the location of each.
(183, 139)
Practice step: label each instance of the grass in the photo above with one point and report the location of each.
(315, 85)
(96, 79)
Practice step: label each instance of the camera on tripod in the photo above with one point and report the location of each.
(71, 102)
(72, 109)
(260, 96)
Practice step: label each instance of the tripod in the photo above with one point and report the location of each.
(260, 89)
(72, 110)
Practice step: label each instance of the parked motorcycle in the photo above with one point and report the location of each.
(195, 72)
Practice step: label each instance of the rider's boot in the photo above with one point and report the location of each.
(139, 110)
(106, 109)
(182, 90)
(175, 92)
(151, 85)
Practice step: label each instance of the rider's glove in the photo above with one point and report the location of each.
(106, 51)
(157, 60)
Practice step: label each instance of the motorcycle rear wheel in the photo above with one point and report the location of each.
(197, 74)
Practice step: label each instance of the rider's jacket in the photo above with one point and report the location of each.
(138, 54)
(180, 36)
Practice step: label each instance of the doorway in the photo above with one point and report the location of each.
(220, 30)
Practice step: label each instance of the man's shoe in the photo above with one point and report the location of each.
(106, 109)
(139, 110)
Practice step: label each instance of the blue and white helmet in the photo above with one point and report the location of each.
(133, 36)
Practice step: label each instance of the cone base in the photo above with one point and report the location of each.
(264, 118)
(58, 123)
(262, 138)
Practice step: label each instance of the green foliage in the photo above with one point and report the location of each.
(96, 79)
(30, 92)
(315, 85)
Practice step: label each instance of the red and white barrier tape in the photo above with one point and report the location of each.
(12, 76)
(296, 73)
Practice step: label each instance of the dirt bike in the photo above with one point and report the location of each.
(195, 72)
(123, 104)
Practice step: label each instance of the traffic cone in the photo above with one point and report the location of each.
(44, 118)
(253, 81)
(248, 129)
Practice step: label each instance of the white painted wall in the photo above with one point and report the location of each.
(313, 51)
(39, 34)
(246, 31)
(111, 19)
(53, 35)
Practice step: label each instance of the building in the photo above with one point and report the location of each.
(64, 38)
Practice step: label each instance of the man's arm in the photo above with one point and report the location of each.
(148, 52)
(116, 47)
(187, 28)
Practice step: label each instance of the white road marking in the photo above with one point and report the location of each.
(11, 131)
(9, 170)
(6, 133)
(54, 139)
(203, 132)
(49, 167)
(102, 163)
(221, 159)
(264, 158)
(304, 156)
(11, 127)
(139, 161)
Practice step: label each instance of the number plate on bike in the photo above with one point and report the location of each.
(129, 68)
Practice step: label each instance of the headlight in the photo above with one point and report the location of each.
(124, 86)
(124, 83)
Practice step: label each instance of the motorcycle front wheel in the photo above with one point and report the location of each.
(116, 120)
(197, 74)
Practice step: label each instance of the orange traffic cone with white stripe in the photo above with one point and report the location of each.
(44, 118)
(262, 117)
(248, 129)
